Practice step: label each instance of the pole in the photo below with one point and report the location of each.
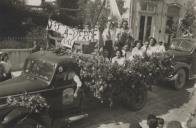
(97, 21)
(130, 13)
(99, 13)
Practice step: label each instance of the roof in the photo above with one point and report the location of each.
(52, 57)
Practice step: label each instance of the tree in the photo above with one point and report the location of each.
(17, 19)
(68, 12)
(94, 13)
(188, 22)
(121, 7)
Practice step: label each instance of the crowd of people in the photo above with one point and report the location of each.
(119, 44)
(158, 122)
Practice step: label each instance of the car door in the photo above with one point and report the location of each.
(64, 87)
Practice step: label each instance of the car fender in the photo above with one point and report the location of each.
(14, 115)
(177, 66)
(182, 65)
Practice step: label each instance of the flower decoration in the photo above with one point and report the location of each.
(34, 103)
(104, 77)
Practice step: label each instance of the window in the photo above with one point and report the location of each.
(145, 27)
(148, 6)
(39, 68)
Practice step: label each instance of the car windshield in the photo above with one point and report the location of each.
(182, 45)
(40, 69)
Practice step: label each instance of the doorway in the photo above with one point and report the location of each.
(145, 27)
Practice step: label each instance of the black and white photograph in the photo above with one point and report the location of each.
(97, 63)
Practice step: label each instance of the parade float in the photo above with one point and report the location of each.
(41, 90)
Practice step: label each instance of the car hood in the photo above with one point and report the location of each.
(20, 85)
(180, 56)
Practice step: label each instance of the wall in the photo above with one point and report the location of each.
(17, 57)
(159, 17)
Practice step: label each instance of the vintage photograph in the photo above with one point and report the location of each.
(97, 63)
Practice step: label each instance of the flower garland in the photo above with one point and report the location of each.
(34, 103)
(99, 75)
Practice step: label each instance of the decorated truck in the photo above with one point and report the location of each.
(40, 89)
(43, 93)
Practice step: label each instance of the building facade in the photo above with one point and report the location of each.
(155, 18)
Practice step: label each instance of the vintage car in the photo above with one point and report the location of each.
(46, 73)
(43, 74)
(183, 51)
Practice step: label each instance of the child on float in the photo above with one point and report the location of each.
(119, 59)
(126, 51)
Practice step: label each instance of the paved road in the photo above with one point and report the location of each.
(162, 101)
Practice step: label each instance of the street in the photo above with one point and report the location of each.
(163, 101)
(78, 63)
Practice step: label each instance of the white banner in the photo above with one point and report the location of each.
(70, 35)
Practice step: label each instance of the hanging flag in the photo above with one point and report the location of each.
(114, 11)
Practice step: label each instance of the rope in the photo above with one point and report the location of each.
(99, 13)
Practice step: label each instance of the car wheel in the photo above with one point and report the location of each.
(135, 99)
(180, 80)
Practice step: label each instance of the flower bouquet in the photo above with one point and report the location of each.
(34, 103)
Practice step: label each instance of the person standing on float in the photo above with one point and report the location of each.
(108, 37)
(125, 35)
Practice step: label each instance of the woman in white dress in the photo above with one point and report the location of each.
(137, 51)
(152, 47)
(118, 59)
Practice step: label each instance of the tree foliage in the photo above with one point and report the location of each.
(68, 12)
(18, 19)
(93, 12)
(121, 7)
(96, 12)
(190, 17)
